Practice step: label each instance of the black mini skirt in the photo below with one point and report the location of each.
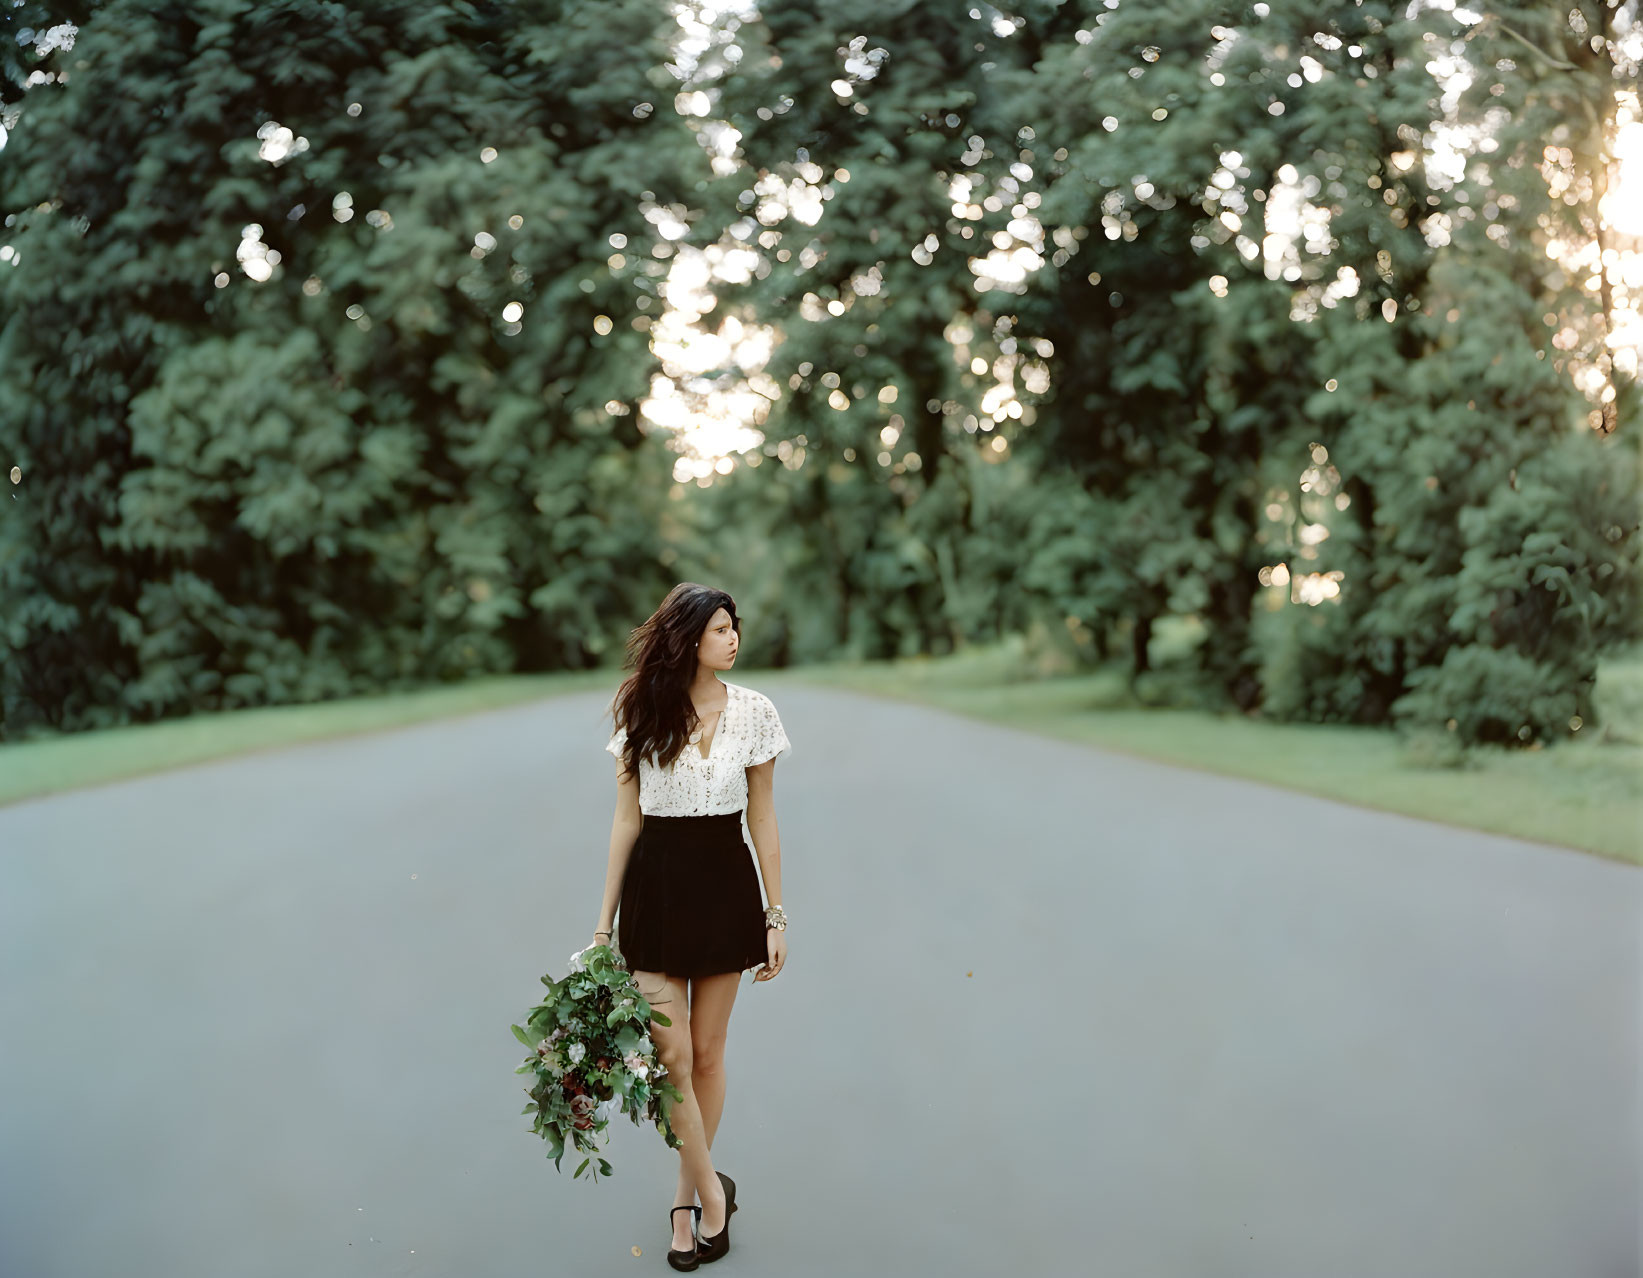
(691, 903)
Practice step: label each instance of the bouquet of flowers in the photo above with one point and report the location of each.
(592, 1057)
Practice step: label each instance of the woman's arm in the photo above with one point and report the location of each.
(624, 832)
(761, 826)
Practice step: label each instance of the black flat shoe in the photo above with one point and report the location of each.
(711, 1249)
(684, 1260)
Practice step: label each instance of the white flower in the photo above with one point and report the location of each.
(636, 1065)
(577, 963)
(575, 1053)
(606, 1110)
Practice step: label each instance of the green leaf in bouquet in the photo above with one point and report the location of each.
(584, 1166)
(525, 1038)
(604, 1166)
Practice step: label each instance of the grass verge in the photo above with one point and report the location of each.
(1585, 794)
(72, 760)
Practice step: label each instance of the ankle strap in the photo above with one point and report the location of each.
(686, 1207)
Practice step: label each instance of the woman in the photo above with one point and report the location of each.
(692, 751)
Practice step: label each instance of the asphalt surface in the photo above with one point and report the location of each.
(1046, 1008)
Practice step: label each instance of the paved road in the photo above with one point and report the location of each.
(1048, 1009)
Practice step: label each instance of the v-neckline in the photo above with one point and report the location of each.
(717, 728)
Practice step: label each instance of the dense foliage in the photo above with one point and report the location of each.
(282, 436)
(1079, 317)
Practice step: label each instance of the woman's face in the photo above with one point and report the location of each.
(719, 642)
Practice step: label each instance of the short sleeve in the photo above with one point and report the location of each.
(617, 741)
(769, 739)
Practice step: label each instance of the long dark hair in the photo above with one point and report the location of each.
(653, 703)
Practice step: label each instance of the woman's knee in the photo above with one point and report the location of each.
(710, 1008)
(707, 1057)
(673, 1046)
(678, 1059)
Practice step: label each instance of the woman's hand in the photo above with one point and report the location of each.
(776, 946)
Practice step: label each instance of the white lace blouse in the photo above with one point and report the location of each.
(749, 732)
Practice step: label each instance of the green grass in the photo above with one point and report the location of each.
(73, 760)
(1585, 794)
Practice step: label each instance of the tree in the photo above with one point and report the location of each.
(320, 353)
(866, 122)
(1481, 529)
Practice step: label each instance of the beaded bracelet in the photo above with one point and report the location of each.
(774, 917)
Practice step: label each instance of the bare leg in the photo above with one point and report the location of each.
(711, 998)
(710, 1095)
(673, 1047)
